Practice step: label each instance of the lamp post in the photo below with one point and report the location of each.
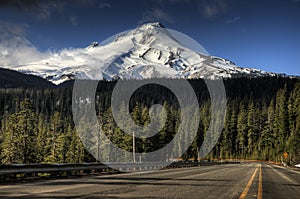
(133, 146)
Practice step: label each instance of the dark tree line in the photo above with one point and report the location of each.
(262, 122)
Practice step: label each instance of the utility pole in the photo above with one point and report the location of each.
(133, 146)
(198, 151)
(98, 148)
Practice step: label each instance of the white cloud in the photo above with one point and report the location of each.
(156, 14)
(15, 49)
(213, 8)
(233, 20)
(104, 5)
(73, 20)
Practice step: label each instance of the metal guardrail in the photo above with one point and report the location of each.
(49, 168)
(13, 169)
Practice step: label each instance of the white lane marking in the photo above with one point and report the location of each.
(282, 175)
(298, 172)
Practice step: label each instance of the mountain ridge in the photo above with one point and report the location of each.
(14, 79)
(149, 51)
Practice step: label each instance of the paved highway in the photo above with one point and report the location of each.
(246, 180)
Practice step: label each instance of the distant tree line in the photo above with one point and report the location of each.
(262, 122)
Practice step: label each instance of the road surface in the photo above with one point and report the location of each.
(245, 180)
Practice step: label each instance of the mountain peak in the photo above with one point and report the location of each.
(149, 51)
(151, 25)
(93, 44)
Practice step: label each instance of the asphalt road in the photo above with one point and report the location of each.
(246, 180)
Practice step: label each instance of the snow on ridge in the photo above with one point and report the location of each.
(145, 52)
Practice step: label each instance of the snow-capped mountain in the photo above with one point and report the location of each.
(148, 51)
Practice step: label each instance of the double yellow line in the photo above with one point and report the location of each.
(259, 192)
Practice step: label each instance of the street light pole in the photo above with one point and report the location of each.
(133, 146)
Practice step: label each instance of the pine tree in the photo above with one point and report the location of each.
(281, 122)
(293, 143)
(75, 152)
(55, 142)
(42, 129)
(19, 145)
(242, 131)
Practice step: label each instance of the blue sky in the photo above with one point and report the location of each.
(263, 34)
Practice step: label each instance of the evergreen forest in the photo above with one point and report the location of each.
(262, 121)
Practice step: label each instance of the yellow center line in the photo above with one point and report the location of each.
(244, 194)
(259, 193)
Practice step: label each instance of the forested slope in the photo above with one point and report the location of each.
(262, 121)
